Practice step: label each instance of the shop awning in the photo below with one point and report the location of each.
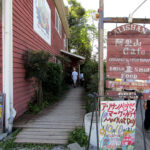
(80, 58)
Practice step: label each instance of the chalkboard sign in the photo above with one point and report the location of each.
(2, 99)
(117, 125)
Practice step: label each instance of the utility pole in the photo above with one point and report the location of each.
(100, 46)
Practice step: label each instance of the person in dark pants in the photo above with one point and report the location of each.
(147, 115)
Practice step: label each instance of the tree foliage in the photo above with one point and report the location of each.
(36, 65)
(89, 69)
(80, 29)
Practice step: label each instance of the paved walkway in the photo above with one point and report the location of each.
(54, 123)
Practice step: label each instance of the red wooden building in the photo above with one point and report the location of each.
(27, 24)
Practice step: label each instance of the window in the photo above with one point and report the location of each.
(58, 23)
(65, 42)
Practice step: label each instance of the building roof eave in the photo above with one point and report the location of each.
(81, 58)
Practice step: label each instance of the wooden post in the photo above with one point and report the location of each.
(125, 20)
(0, 10)
(100, 43)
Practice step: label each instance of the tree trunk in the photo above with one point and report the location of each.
(40, 93)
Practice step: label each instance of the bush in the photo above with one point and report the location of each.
(89, 68)
(36, 65)
(35, 108)
(78, 135)
(92, 86)
(53, 83)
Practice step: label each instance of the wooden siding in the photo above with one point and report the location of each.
(24, 38)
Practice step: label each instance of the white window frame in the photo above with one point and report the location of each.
(58, 24)
(65, 41)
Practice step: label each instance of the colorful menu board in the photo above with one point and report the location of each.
(117, 125)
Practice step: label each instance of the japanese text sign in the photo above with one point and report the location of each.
(117, 124)
(128, 55)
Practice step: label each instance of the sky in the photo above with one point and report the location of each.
(119, 8)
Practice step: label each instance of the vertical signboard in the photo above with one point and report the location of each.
(42, 19)
(128, 56)
(117, 125)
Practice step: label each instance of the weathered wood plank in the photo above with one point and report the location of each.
(46, 126)
(52, 126)
(125, 20)
(43, 137)
(45, 130)
(41, 141)
(55, 123)
(53, 133)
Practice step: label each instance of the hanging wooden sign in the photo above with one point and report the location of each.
(128, 57)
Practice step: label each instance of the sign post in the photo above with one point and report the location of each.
(100, 48)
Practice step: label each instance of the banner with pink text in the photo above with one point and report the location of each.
(117, 125)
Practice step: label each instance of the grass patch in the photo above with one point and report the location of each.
(38, 146)
(79, 136)
(8, 143)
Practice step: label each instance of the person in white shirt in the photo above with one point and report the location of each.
(74, 77)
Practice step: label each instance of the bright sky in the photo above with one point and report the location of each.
(119, 8)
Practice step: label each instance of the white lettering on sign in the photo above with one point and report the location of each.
(128, 76)
(131, 27)
(116, 68)
(133, 51)
(119, 42)
(129, 69)
(127, 60)
(118, 84)
(140, 69)
(131, 47)
(127, 42)
(129, 94)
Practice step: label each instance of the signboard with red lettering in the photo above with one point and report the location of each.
(128, 55)
(117, 125)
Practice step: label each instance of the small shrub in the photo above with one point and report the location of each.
(92, 86)
(33, 107)
(89, 103)
(78, 135)
(36, 65)
(89, 68)
(53, 82)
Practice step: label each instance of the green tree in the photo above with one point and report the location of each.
(89, 69)
(80, 29)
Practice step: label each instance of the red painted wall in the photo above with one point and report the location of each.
(25, 38)
(1, 57)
